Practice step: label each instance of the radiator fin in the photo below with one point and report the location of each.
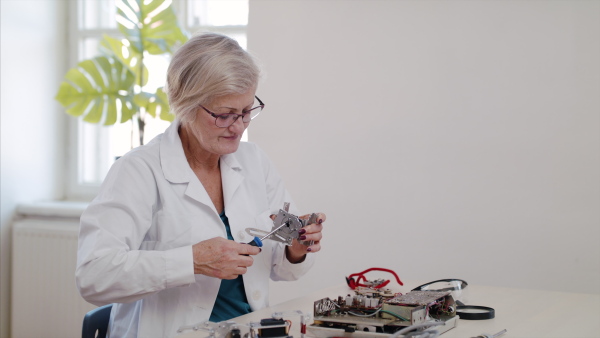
(45, 300)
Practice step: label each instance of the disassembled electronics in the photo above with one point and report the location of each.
(458, 288)
(274, 327)
(285, 228)
(374, 313)
(269, 327)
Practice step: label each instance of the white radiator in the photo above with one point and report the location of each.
(45, 300)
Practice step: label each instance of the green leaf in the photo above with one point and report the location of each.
(123, 51)
(149, 26)
(165, 112)
(155, 104)
(97, 89)
(128, 109)
(143, 100)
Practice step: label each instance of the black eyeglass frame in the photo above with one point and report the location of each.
(261, 105)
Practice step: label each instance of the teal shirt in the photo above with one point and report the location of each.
(231, 300)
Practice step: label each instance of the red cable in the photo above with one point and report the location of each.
(354, 284)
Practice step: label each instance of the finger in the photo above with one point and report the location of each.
(273, 217)
(311, 229)
(229, 277)
(319, 219)
(314, 236)
(247, 249)
(316, 247)
(234, 273)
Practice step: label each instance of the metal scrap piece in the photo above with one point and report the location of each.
(416, 298)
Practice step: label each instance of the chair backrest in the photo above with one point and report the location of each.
(96, 321)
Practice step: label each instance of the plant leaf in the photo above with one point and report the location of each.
(97, 88)
(155, 104)
(163, 101)
(143, 100)
(127, 55)
(149, 25)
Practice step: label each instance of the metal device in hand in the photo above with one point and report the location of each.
(285, 227)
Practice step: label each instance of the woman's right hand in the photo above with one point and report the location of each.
(221, 258)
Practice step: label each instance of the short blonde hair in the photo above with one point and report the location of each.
(209, 65)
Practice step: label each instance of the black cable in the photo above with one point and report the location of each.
(483, 312)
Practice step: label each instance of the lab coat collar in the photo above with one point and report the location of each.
(177, 169)
(173, 161)
(231, 161)
(172, 158)
(231, 177)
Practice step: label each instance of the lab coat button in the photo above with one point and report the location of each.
(256, 295)
(241, 235)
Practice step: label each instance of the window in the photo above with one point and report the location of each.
(94, 147)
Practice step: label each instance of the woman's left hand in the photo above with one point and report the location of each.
(311, 232)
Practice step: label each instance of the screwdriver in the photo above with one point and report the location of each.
(492, 336)
(258, 241)
(255, 242)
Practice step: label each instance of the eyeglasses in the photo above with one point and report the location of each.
(225, 120)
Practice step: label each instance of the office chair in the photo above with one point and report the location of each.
(96, 321)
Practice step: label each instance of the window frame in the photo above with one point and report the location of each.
(76, 189)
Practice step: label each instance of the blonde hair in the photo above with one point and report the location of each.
(209, 65)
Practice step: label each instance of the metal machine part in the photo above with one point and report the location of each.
(354, 315)
(229, 329)
(285, 227)
(483, 335)
(277, 326)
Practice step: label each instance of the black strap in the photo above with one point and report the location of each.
(463, 285)
(484, 312)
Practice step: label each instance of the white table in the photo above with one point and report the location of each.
(524, 313)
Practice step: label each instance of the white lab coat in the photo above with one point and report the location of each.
(136, 236)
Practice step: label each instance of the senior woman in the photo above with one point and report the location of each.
(164, 238)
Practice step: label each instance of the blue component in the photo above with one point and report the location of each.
(256, 242)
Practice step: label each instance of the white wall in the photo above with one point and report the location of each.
(444, 139)
(33, 62)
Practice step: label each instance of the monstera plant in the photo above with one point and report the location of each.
(111, 86)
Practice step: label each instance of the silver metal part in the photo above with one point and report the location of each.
(254, 232)
(321, 328)
(312, 219)
(261, 233)
(491, 336)
(285, 227)
(499, 333)
(418, 297)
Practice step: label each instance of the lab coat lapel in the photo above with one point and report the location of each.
(231, 176)
(176, 168)
(196, 191)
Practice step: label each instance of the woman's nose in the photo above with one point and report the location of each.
(237, 125)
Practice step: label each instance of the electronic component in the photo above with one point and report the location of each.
(372, 311)
(274, 327)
